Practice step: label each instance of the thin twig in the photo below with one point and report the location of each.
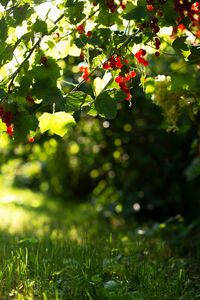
(13, 76)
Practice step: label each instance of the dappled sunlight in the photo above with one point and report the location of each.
(27, 213)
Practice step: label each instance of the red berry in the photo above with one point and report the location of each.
(81, 29)
(122, 84)
(31, 140)
(157, 53)
(155, 20)
(89, 33)
(44, 60)
(150, 8)
(119, 65)
(94, 4)
(106, 66)
(9, 130)
(132, 74)
(128, 96)
(156, 29)
(145, 63)
(118, 79)
(127, 78)
(143, 52)
(181, 27)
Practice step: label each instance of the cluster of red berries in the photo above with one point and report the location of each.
(187, 9)
(122, 81)
(181, 27)
(157, 44)
(28, 98)
(155, 28)
(141, 60)
(6, 117)
(113, 6)
(85, 72)
(81, 30)
(44, 60)
(114, 62)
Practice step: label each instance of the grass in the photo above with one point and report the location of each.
(52, 251)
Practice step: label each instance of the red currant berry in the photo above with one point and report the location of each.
(106, 66)
(132, 74)
(89, 33)
(44, 60)
(31, 140)
(150, 8)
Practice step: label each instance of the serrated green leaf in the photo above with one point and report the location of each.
(40, 26)
(181, 47)
(106, 102)
(57, 123)
(75, 100)
(75, 13)
(20, 13)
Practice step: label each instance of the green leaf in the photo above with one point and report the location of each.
(138, 13)
(57, 123)
(24, 122)
(181, 47)
(75, 100)
(106, 102)
(179, 43)
(20, 13)
(81, 42)
(194, 57)
(75, 13)
(40, 26)
(106, 18)
(3, 30)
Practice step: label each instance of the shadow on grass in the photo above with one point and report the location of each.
(54, 251)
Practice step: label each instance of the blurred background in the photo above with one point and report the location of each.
(129, 166)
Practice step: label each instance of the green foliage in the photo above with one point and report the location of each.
(57, 123)
(34, 48)
(106, 103)
(3, 30)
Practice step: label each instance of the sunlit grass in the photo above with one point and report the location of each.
(49, 250)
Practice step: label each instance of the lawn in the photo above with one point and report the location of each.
(54, 251)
